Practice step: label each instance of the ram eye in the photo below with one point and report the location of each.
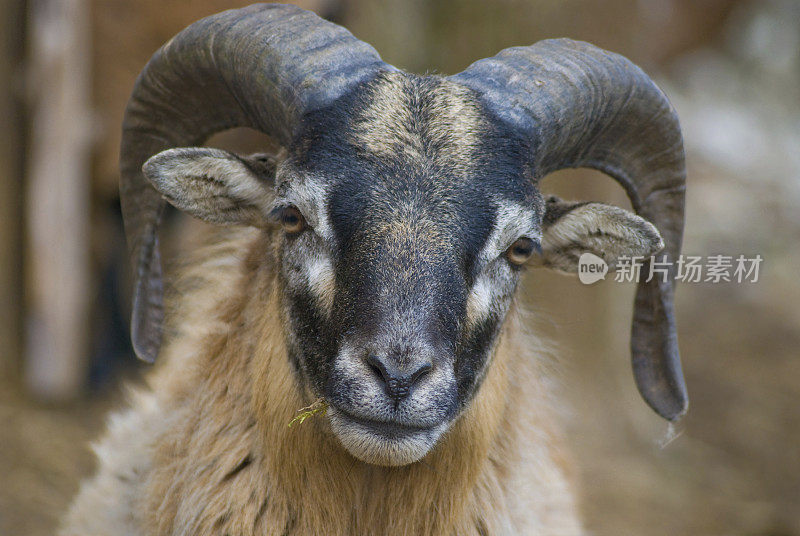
(292, 220)
(521, 250)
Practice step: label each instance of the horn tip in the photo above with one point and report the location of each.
(671, 406)
(146, 331)
(145, 347)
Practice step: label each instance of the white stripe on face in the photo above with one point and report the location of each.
(513, 221)
(310, 195)
(479, 301)
(321, 280)
(310, 256)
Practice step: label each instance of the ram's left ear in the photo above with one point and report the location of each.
(215, 185)
(570, 229)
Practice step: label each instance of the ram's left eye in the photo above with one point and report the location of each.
(521, 250)
(292, 220)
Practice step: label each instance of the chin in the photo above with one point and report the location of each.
(383, 443)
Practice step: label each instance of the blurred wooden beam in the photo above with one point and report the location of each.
(57, 199)
(11, 38)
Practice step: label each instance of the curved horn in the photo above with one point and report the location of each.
(263, 67)
(581, 106)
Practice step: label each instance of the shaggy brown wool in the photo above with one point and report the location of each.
(207, 450)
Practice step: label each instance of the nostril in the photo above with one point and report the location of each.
(378, 367)
(421, 372)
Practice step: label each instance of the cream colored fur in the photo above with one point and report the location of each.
(206, 450)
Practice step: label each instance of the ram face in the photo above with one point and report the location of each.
(404, 275)
(404, 208)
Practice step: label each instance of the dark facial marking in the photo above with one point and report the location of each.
(415, 169)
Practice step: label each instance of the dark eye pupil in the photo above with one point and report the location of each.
(292, 220)
(523, 246)
(522, 249)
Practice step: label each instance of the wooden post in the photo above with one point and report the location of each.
(11, 17)
(57, 199)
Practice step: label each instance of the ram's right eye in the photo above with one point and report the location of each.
(292, 220)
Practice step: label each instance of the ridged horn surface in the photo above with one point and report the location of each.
(264, 67)
(581, 106)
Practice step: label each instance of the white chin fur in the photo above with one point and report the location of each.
(378, 447)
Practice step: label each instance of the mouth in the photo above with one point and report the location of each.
(381, 442)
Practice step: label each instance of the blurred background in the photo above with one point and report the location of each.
(732, 69)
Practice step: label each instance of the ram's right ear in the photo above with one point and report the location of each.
(215, 185)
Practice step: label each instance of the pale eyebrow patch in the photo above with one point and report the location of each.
(310, 195)
(512, 222)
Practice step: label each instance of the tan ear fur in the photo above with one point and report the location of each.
(215, 185)
(570, 229)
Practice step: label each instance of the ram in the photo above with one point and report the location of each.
(369, 271)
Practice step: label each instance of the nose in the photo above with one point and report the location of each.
(398, 379)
